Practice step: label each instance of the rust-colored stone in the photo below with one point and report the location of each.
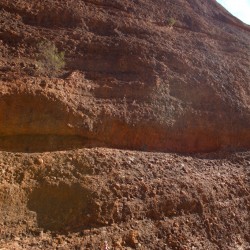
(166, 76)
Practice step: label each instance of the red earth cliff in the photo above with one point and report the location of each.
(140, 141)
(129, 73)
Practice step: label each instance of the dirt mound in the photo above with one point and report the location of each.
(142, 80)
(129, 199)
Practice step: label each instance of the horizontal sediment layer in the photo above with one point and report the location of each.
(45, 143)
(38, 123)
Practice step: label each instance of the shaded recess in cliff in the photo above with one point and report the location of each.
(35, 123)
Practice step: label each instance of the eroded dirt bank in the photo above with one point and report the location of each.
(80, 199)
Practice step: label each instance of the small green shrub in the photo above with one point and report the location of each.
(50, 59)
(171, 22)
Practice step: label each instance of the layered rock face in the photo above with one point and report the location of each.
(168, 76)
(131, 73)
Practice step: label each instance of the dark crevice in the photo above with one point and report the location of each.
(53, 18)
(114, 5)
(45, 143)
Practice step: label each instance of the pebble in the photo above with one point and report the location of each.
(39, 161)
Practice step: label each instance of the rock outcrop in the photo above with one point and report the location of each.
(186, 86)
(163, 76)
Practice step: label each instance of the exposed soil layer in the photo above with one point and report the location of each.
(80, 199)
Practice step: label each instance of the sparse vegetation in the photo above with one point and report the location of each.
(50, 60)
(171, 22)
